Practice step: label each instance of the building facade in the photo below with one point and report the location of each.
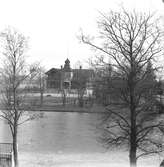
(68, 78)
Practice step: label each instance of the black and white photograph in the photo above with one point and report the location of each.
(82, 83)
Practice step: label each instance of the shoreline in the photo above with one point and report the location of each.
(70, 109)
(67, 108)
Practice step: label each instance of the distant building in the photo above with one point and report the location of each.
(67, 78)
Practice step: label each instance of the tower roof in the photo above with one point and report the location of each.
(67, 65)
(67, 61)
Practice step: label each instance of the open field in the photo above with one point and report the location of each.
(54, 103)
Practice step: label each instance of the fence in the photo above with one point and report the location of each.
(6, 154)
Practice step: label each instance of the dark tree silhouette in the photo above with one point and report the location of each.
(132, 41)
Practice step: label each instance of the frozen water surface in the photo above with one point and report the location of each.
(63, 139)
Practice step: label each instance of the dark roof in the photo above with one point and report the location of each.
(52, 70)
(67, 68)
(85, 72)
(67, 65)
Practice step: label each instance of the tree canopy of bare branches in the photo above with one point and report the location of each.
(132, 41)
(14, 74)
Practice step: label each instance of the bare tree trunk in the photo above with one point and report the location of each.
(41, 97)
(64, 97)
(15, 148)
(41, 90)
(80, 98)
(81, 102)
(133, 145)
(132, 155)
(15, 142)
(133, 130)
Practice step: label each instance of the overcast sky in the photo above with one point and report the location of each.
(53, 25)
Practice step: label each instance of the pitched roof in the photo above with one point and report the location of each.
(52, 70)
(85, 72)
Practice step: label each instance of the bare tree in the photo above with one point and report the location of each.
(40, 81)
(79, 82)
(14, 75)
(132, 41)
(103, 77)
(64, 93)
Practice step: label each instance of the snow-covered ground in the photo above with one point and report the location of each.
(114, 159)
